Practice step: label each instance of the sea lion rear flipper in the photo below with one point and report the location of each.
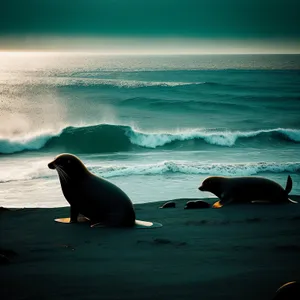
(146, 224)
(138, 224)
(289, 185)
(293, 201)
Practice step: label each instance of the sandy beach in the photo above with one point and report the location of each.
(237, 252)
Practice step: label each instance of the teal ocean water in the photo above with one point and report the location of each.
(154, 125)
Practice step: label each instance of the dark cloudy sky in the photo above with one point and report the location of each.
(242, 20)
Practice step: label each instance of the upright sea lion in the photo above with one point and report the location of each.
(246, 190)
(97, 199)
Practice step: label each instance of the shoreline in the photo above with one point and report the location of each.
(237, 252)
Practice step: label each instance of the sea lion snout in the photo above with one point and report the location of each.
(200, 188)
(51, 165)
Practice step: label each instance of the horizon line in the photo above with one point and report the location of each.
(141, 53)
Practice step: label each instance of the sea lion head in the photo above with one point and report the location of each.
(68, 166)
(211, 184)
(214, 185)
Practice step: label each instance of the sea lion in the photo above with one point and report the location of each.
(288, 291)
(196, 204)
(98, 200)
(246, 190)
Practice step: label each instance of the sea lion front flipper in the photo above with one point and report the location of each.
(225, 198)
(146, 224)
(217, 205)
(63, 220)
(80, 219)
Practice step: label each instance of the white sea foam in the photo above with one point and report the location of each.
(34, 141)
(222, 169)
(221, 138)
(27, 170)
(86, 81)
(39, 170)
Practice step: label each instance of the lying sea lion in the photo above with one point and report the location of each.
(98, 200)
(246, 190)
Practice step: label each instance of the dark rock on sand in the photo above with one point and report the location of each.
(169, 204)
(196, 204)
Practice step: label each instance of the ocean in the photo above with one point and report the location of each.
(156, 126)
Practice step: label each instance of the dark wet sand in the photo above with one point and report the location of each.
(237, 252)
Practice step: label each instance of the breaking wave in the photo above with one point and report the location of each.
(105, 138)
(40, 170)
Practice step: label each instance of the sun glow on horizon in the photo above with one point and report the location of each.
(149, 46)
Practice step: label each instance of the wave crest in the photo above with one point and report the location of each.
(105, 138)
(220, 138)
(34, 142)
